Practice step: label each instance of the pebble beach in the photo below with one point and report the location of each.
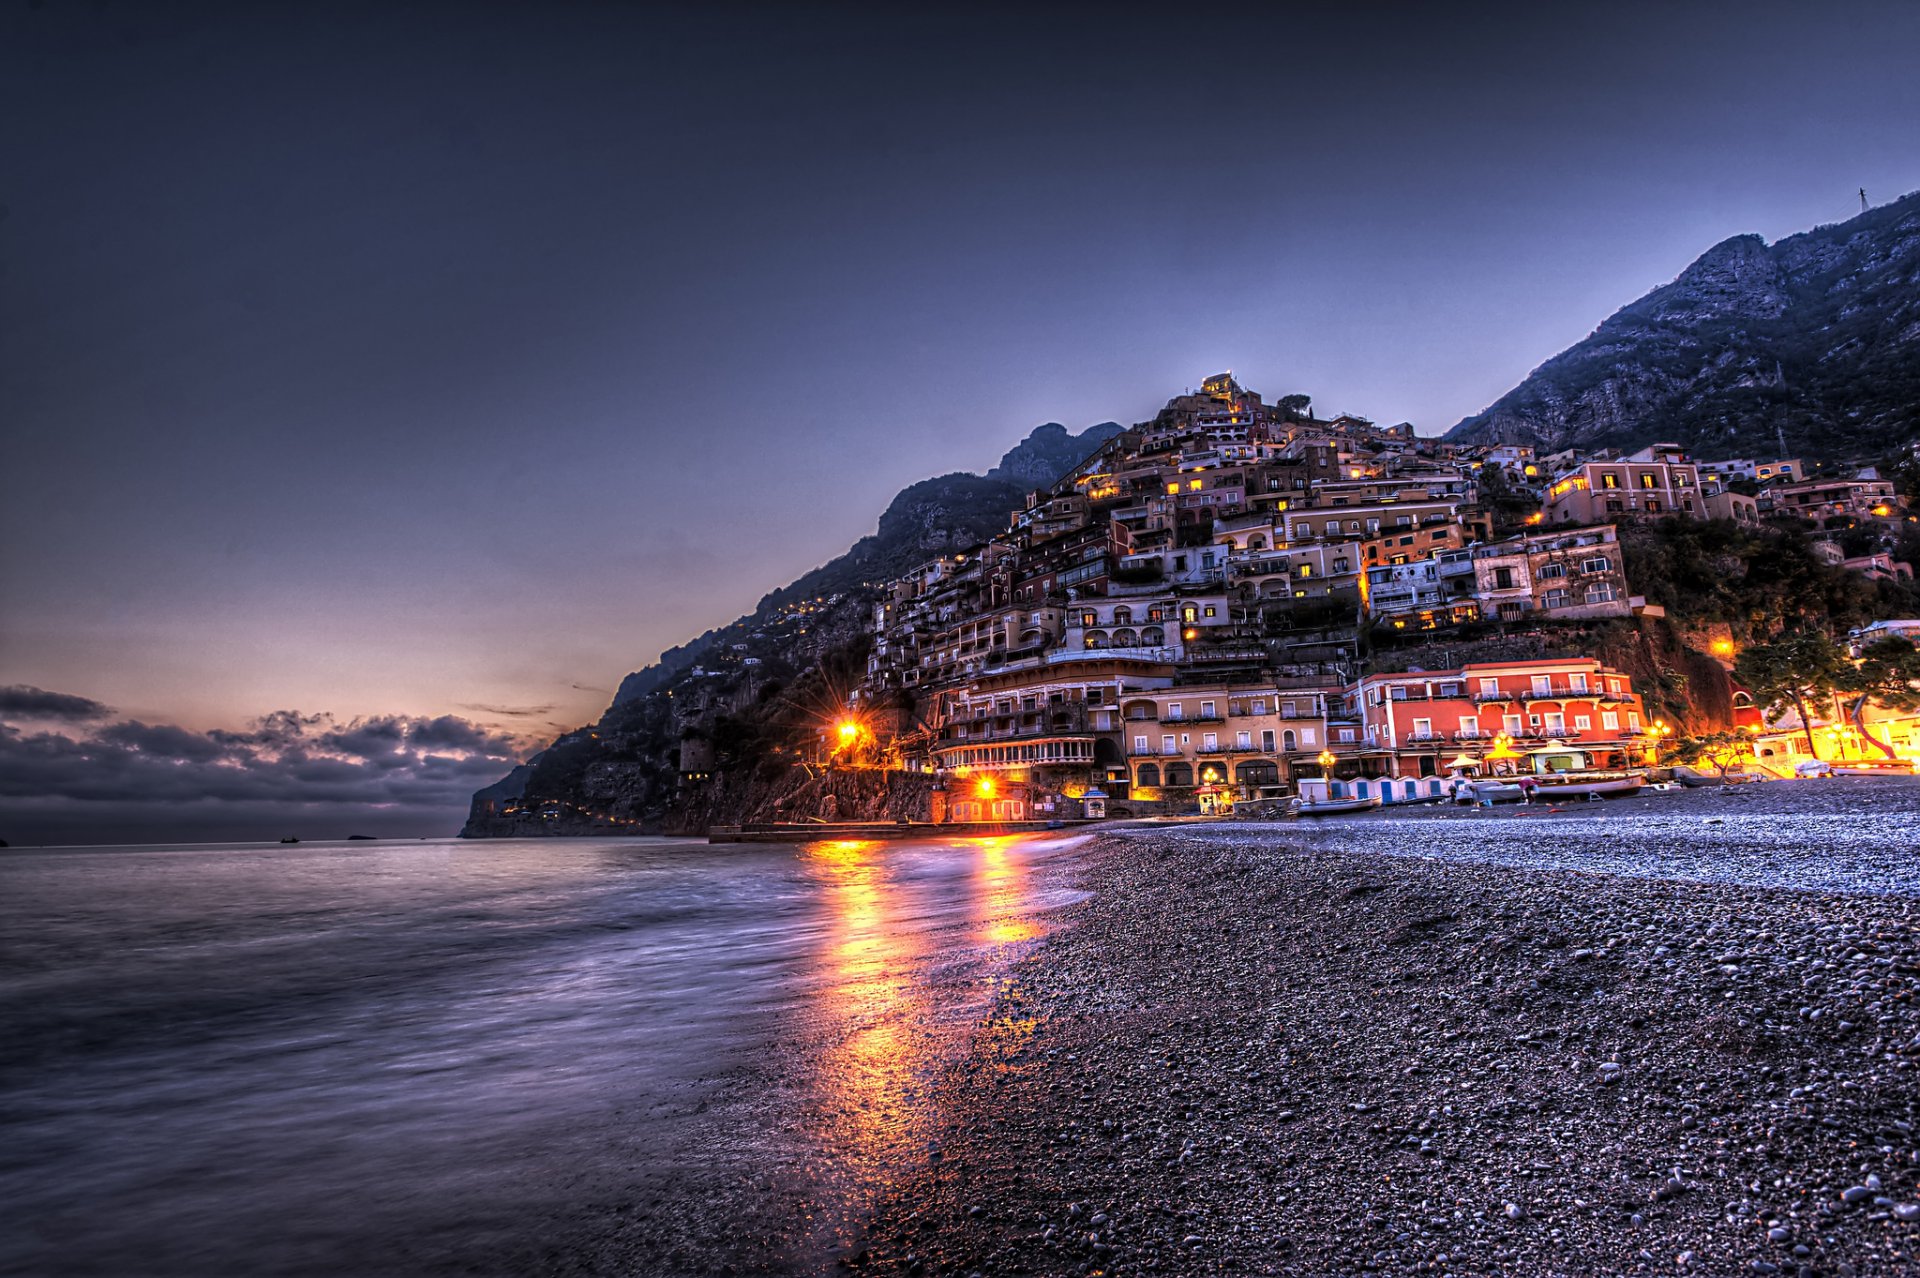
(1670, 1035)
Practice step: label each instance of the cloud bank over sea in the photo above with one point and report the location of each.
(70, 772)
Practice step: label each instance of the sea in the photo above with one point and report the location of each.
(516, 1056)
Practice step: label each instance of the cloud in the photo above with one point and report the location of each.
(509, 712)
(19, 701)
(282, 761)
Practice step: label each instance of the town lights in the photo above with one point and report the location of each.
(848, 731)
(984, 787)
(1723, 647)
(1326, 765)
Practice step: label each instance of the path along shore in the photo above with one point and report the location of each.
(1247, 1053)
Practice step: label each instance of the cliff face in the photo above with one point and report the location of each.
(1814, 341)
(741, 694)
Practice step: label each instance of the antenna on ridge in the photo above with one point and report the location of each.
(1863, 199)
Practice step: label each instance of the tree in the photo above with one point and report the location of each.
(1724, 750)
(1791, 671)
(1886, 674)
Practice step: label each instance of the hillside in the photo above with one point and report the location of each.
(1811, 345)
(778, 664)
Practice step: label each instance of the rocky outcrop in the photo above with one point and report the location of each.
(1048, 453)
(1811, 344)
(740, 689)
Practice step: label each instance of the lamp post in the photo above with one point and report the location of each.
(1326, 761)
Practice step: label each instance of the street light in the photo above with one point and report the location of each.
(1326, 762)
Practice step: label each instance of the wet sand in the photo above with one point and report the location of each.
(1303, 1050)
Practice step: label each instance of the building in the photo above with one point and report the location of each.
(1411, 723)
(1656, 482)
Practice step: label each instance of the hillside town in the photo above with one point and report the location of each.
(1172, 625)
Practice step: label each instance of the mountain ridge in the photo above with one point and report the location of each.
(1811, 344)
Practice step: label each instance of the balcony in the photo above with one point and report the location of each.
(1426, 738)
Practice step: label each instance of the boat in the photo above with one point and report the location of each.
(1334, 807)
(1873, 768)
(1485, 790)
(289, 839)
(1589, 785)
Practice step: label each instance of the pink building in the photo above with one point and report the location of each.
(1413, 723)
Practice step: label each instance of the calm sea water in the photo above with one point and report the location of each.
(496, 1057)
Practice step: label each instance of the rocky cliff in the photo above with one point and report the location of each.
(742, 697)
(1809, 346)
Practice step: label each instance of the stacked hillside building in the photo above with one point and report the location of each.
(1175, 619)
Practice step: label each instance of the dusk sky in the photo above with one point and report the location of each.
(425, 369)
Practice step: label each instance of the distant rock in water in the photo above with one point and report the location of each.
(361, 838)
(1814, 341)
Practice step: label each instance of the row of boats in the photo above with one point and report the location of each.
(1324, 799)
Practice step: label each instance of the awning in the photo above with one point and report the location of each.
(1463, 761)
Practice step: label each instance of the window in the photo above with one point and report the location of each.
(1489, 687)
(1633, 720)
(1193, 485)
(1209, 741)
(1167, 745)
(1648, 480)
(1175, 710)
(1207, 710)
(1149, 774)
(1653, 506)
(1610, 720)
(1600, 592)
(1307, 738)
(1303, 569)
(1139, 745)
(1345, 735)
(1551, 572)
(1469, 725)
(1266, 740)
(1583, 722)
(1513, 724)
(1542, 685)
(1554, 599)
(1609, 480)
(1208, 611)
(1287, 709)
(1577, 681)
(1449, 689)
(1596, 565)
(1243, 741)
(1259, 706)
(1423, 729)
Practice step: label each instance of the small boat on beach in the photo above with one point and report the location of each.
(1554, 786)
(1489, 790)
(1334, 807)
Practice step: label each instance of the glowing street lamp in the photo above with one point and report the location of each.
(984, 787)
(1326, 761)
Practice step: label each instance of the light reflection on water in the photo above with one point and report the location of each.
(399, 1057)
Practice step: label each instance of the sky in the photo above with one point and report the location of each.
(367, 368)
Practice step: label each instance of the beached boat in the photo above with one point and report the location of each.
(1334, 807)
(1486, 790)
(1581, 785)
(1873, 768)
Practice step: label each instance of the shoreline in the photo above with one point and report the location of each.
(1242, 1054)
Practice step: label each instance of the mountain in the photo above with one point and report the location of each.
(1810, 345)
(727, 685)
